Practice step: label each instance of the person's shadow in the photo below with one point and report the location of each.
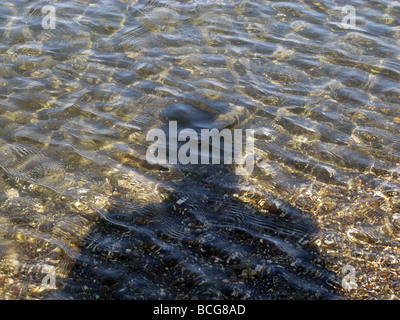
(213, 236)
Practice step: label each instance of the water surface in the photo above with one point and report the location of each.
(78, 195)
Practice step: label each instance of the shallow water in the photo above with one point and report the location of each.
(78, 196)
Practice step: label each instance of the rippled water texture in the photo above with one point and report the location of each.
(78, 196)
